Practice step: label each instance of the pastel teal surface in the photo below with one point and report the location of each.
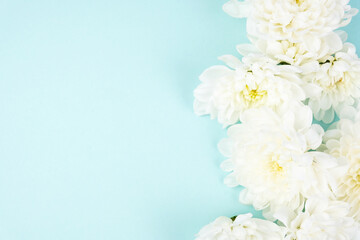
(98, 139)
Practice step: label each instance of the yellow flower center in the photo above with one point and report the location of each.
(253, 97)
(334, 84)
(299, 2)
(255, 94)
(275, 167)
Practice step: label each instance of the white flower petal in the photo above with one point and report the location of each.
(246, 49)
(231, 61)
(237, 9)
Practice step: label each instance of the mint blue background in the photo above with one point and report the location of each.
(98, 139)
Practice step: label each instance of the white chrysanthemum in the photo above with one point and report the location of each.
(296, 54)
(293, 20)
(338, 82)
(269, 155)
(321, 220)
(256, 82)
(243, 227)
(343, 141)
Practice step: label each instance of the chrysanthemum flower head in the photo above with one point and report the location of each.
(269, 154)
(226, 92)
(336, 82)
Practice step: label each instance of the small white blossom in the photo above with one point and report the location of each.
(242, 228)
(321, 219)
(337, 79)
(269, 154)
(293, 20)
(225, 93)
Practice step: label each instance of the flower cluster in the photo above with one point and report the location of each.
(298, 66)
